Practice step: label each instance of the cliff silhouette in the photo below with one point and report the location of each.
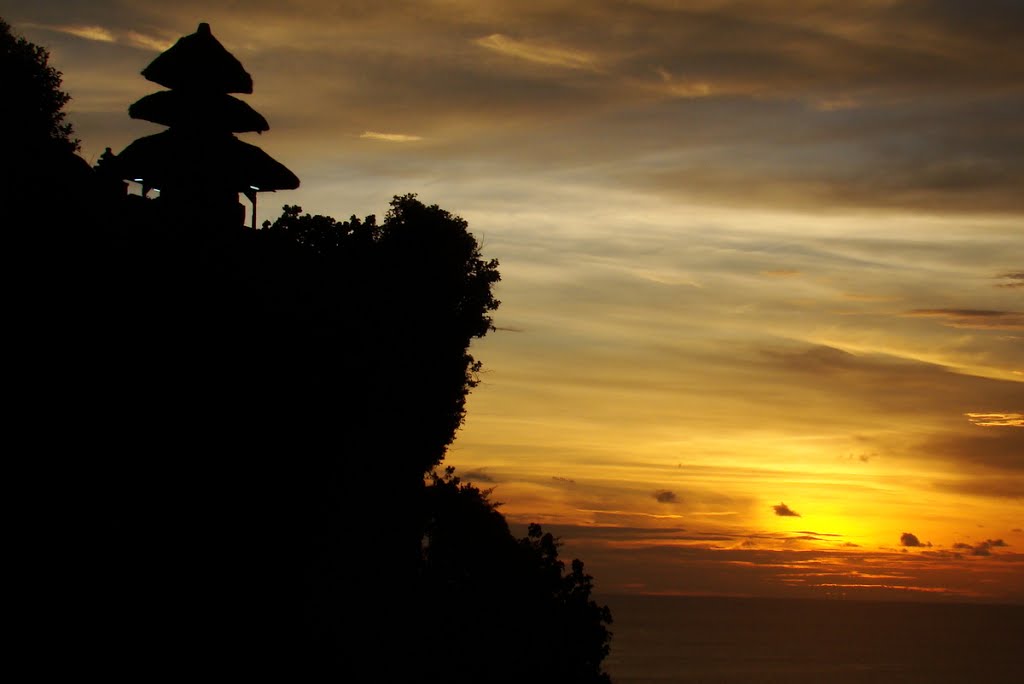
(232, 435)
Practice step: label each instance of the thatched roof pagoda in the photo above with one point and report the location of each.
(199, 62)
(198, 165)
(215, 111)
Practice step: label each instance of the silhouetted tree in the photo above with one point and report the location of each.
(502, 609)
(41, 177)
(44, 191)
(415, 291)
(33, 112)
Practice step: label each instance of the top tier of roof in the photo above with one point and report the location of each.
(198, 62)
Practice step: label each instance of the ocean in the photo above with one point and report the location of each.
(712, 640)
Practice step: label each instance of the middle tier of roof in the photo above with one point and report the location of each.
(199, 110)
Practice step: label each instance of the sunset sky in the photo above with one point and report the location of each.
(763, 262)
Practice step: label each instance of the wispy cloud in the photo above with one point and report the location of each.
(390, 137)
(996, 419)
(686, 90)
(102, 34)
(628, 514)
(479, 475)
(147, 42)
(979, 319)
(1004, 486)
(835, 104)
(998, 446)
(529, 51)
(1013, 280)
(86, 32)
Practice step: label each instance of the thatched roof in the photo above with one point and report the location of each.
(184, 160)
(199, 62)
(213, 112)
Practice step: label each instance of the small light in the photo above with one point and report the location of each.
(254, 187)
(137, 180)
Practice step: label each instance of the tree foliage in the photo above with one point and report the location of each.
(412, 292)
(507, 609)
(33, 112)
(424, 243)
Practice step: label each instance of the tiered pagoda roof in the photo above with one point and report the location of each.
(199, 158)
(199, 62)
(181, 109)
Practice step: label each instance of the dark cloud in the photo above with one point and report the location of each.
(909, 539)
(802, 535)
(814, 359)
(665, 496)
(863, 457)
(883, 179)
(911, 388)
(1005, 486)
(617, 533)
(785, 511)
(1014, 280)
(993, 447)
(977, 319)
(982, 548)
(563, 480)
(478, 476)
(906, 381)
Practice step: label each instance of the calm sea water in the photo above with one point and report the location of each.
(658, 640)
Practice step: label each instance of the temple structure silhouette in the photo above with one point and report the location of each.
(198, 166)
